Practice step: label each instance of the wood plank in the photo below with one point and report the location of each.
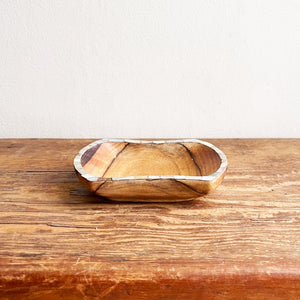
(240, 242)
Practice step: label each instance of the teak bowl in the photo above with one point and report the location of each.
(142, 170)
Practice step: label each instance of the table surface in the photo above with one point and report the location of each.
(58, 241)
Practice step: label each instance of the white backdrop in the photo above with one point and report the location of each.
(142, 68)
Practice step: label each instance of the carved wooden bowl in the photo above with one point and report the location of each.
(142, 170)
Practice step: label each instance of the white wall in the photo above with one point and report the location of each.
(145, 68)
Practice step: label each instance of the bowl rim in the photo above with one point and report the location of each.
(222, 168)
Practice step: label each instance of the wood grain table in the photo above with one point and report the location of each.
(58, 241)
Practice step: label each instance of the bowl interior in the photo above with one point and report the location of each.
(122, 159)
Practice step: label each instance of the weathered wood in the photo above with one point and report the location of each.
(150, 170)
(241, 241)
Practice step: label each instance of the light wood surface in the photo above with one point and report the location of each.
(241, 241)
(150, 170)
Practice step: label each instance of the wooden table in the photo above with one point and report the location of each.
(58, 241)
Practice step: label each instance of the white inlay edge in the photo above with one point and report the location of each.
(78, 167)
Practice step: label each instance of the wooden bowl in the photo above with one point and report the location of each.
(142, 170)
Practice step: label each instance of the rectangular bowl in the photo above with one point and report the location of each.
(155, 171)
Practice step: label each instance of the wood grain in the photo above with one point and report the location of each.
(57, 241)
(150, 170)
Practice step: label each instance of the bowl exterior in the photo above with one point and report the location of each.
(151, 190)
